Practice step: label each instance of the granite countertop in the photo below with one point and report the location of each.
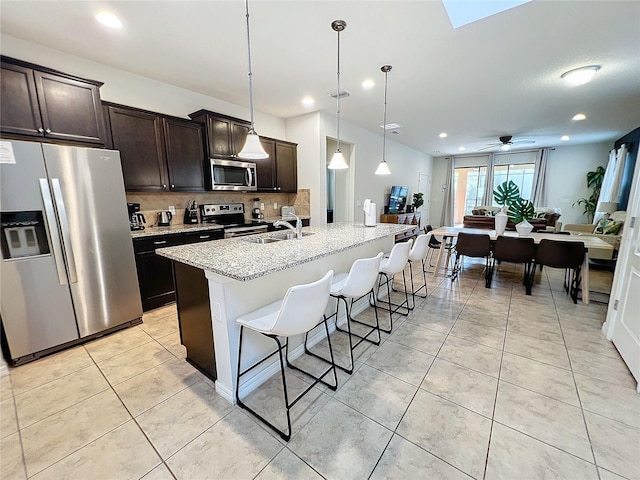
(197, 227)
(239, 259)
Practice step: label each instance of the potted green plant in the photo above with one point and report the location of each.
(594, 182)
(418, 201)
(504, 194)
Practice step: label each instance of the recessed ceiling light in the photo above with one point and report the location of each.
(579, 116)
(580, 76)
(368, 84)
(443, 135)
(308, 101)
(109, 19)
(390, 126)
(565, 138)
(462, 149)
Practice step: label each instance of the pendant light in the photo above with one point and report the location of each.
(252, 149)
(337, 161)
(383, 168)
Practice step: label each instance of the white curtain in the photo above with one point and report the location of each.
(610, 189)
(487, 196)
(539, 190)
(447, 209)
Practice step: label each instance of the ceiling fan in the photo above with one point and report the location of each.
(506, 143)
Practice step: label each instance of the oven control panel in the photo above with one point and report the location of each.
(209, 209)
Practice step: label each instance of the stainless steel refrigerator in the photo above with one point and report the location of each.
(67, 270)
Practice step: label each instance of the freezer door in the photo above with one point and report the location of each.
(35, 302)
(88, 191)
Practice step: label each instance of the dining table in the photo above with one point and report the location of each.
(590, 242)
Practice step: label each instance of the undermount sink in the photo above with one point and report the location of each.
(263, 240)
(291, 235)
(277, 238)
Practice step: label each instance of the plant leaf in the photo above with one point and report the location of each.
(506, 193)
(520, 210)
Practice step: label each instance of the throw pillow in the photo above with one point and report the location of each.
(609, 227)
(479, 211)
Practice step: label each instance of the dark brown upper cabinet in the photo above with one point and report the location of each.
(47, 104)
(279, 172)
(224, 136)
(158, 152)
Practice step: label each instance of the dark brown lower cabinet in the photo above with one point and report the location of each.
(155, 272)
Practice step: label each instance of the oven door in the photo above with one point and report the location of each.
(233, 175)
(243, 231)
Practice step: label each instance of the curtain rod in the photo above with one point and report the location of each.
(472, 155)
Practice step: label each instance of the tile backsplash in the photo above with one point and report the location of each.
(151, 203)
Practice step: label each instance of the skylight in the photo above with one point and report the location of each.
(462, 12)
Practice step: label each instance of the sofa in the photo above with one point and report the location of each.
(483, 216)
(608, 230)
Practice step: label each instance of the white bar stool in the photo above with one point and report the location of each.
(389, 267)
(354, 285)
(297, 313)
(417, 254)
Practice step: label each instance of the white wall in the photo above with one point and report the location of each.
(126, 88)
(567, 169)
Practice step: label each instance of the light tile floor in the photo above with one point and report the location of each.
(475, 382)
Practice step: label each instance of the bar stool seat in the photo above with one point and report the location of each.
(301, 310)
(354, 285)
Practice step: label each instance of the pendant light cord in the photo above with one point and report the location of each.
(250, 72)
(384, 118)
(338, 97)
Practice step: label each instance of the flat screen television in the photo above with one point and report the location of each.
(398, 199)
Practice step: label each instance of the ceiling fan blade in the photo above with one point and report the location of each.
(494, 145)
(524, 140)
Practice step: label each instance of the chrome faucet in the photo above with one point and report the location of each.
(297, 229)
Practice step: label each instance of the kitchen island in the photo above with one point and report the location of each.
(217, 282)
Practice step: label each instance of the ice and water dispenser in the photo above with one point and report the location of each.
(23, 235)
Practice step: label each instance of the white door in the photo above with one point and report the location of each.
(623, 317)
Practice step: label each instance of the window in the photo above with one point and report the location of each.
(521, 174)
(468, 189)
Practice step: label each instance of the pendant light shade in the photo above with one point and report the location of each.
(337, 161)
(383, 168)
(252, 149)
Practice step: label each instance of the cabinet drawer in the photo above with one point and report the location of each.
(204, 236)
(141, 245)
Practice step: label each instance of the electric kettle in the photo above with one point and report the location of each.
(164, 219)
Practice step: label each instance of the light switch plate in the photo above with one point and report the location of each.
(275, 206)
(172, 209)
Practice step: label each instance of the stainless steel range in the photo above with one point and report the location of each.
(231, 216)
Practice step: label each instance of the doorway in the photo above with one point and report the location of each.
(339, 185)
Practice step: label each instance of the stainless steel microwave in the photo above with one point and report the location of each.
(233, 175)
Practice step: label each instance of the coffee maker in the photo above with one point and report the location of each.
(136, 219)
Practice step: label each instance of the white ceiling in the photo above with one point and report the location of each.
(496, 76)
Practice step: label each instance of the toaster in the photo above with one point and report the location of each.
(287, 212)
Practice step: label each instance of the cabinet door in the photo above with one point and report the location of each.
(155, 277)
(219, 136)
(266, 167)
(71, 110)
(185, 155)
(239, 132)
(138, 136)
(286, 167)
(20, 111)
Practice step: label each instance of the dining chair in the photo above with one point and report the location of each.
(516, 250)
(567, 255)
(435, 244)
(301, 310)
(473, 245)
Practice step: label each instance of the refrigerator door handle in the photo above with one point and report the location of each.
(64, 228)
(53, 231)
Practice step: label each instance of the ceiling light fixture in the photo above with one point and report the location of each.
(462, 149)
(337, 161)
(579, 116)
(565, 138)
(252, 149)
(505, 147)
(383, 168)
(308, 101)
(443, 135)
(580, 76)
(109, 19)
(368, 84)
